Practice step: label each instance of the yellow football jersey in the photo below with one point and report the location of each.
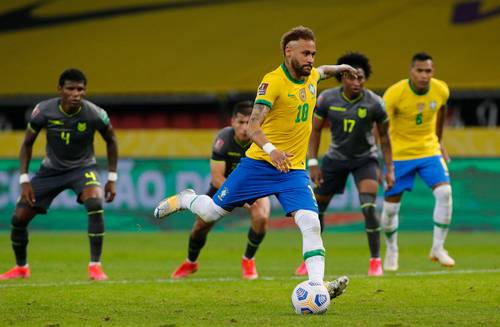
(412, 118)
(289, 122)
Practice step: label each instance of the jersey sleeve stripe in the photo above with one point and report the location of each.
(264, 102)
(318, 116)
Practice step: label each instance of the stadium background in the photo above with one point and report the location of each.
(168, 73)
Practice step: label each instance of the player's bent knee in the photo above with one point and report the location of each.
(93, 204)
(442, 194)
(367, 202)
(308, 220)
(443, 208)
(390, 216)
(206, 209)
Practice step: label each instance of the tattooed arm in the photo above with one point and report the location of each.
(279, 158)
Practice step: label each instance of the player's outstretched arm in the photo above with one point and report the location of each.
(312, 150)
(279, 158)
(385, 144)
(112, 153)
(327, 71)
(27, 193)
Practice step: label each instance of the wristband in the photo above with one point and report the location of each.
(112, 176)
(24, 178)
(268, 148)
(312, 162)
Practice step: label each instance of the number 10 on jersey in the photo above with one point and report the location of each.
(303, 113)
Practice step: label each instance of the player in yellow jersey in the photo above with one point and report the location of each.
(280, 126)
(416, 109)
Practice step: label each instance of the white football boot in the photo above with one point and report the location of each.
(391, 260)
(337, 287)
(441, 256)
(171, 204)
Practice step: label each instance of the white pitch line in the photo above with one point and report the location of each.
(233, 279)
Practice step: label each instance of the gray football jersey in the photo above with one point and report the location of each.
(351, 122)
(70, 138)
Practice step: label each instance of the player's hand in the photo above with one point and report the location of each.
(109, 191)
(281, 160)
(445, 155)
(27, 194)
(348, 70)
(389, 179)
(316, 176)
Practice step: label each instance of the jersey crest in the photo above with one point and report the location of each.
(302, 94)
(362, 112)
(82, 126)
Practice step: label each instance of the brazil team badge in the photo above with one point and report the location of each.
(302, 94)
(362, 112)
(82, 126)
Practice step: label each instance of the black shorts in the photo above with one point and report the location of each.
(48, 183)
(335, 173)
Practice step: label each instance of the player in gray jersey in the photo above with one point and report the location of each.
(70, 123)
(229, 147)
(352, 112)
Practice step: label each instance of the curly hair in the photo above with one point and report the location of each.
(356, 60)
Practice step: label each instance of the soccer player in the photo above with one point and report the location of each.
(69, 163)
(352, 111)
(416, 108)
(229, 147)
(280, 126)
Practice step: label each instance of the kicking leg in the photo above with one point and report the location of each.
(201, 205)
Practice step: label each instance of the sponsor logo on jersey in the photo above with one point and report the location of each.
(82, 126)
(55, 122)
(433, 104)
(302, 94)
(312, 89)
(362, 112)
(262, 88)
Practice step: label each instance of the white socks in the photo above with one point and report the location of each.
(442, 215)
(389, 223)
(312, 244)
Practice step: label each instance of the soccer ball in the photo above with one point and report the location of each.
(310, 298)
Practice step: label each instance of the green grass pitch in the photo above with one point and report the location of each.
(140, 293)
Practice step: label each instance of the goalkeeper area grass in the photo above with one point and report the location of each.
(140, 292)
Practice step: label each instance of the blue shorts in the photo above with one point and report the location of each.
(432, 170)
(254, 179)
